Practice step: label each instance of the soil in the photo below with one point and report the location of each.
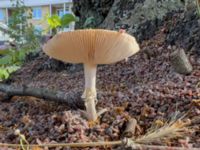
(145, 88)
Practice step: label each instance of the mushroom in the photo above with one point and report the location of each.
(91, 47)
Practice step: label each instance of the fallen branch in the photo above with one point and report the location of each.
(98, 144)
(73, 100)
(88, 144)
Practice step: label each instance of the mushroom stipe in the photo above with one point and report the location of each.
(91, 47)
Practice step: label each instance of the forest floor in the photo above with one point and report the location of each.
(145, 88)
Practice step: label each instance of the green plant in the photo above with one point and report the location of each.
(18, 22)
(56, 22)
(13, 57)
(22, 33)
(24, 144)
(20, 29)
(10, 61)
(6, 71)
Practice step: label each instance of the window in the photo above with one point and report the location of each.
(1, 15)
(37, 13)
(67, 9)
(60, 11)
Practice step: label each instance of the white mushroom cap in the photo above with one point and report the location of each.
(96, 46)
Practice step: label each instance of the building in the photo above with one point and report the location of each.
(40, 9)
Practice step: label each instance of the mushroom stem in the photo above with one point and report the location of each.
(89, 94)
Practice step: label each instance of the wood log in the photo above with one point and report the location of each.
(73, 100)
(130, 128)
(180, 62)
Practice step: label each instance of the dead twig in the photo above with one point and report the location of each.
(73, 100)
(99, 144)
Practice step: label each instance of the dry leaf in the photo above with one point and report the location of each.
(26, 119)
(196, 102)
(145, 110)
(159, 123)
(119, 110)
(3, 128)
(91, 124)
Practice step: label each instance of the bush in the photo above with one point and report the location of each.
(22, 33)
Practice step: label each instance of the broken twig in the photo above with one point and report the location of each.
(71, 99)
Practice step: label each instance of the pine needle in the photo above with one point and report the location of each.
(169, 131)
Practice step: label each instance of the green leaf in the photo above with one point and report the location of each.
(67, 19)
(13, 57)
(4, 52)
(3, 74)
(22, 56)
(54, 21)
(19, 55)
(6, 60)
(11, 69)
(6, 71)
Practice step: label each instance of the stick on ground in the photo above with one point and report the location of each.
(71, 99)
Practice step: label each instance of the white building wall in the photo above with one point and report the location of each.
(7, 3)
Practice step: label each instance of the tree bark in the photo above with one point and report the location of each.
(108, 22)
(73, 100)
(180, 62)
